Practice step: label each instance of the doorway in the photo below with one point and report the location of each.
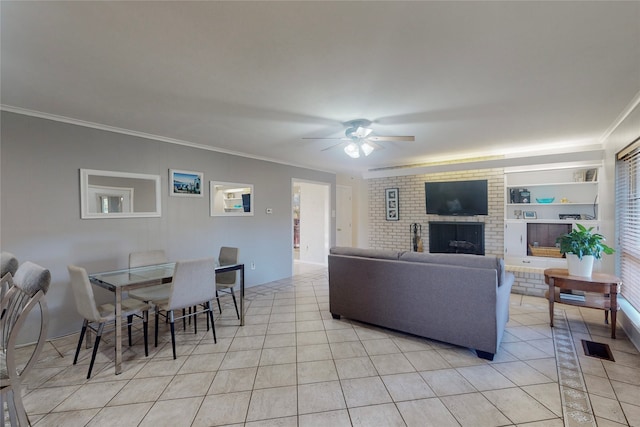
(344, 215)
(311, 221)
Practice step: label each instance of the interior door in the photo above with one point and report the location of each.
(344, 213)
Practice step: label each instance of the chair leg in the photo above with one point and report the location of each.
(218, 299)
(95, 348)
(195, 319)
(206, 315)
(157, 315)
(213, 327)
(233, 295)
(173, 333)
(17, 413)
(184, 320)
(13, 417)
(145, 331)
(129, 322)
(82, 332)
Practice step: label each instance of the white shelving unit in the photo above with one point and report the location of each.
(574, 190)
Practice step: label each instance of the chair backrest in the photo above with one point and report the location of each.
(228, 256)
(193, 283)
(30, 285)
(8, 264)
(83, 293)
(141, 259)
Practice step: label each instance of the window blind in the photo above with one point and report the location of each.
(628, 219)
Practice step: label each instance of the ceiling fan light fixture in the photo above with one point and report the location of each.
(352, 150)
(366, 148)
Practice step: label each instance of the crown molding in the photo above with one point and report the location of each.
(635, 102)
(588, 155)
(107, 128)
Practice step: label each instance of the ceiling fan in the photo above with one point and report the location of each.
(361, 138)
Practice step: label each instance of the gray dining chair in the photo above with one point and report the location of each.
(97, 316)
(28, 289)
(8, 267)
(142, 259)
(193, 286)
(225, 282)
(8, 263)
(159, 292)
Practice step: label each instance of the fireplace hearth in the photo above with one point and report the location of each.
(456, 237)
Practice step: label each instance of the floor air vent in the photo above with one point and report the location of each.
(596, 349)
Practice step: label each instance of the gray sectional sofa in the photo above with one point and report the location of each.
(455, 298)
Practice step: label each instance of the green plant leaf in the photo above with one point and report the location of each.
(582, 241)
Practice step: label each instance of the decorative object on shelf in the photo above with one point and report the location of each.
(564, 200)
(529, 214)
(545, 199)
(392, 204)
(581, 247)
(185, 183)
(545, 251)
(517, 213)
(591, 175)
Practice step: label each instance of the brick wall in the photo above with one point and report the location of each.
(385, 234)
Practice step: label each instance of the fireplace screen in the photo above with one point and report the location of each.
(456, 237)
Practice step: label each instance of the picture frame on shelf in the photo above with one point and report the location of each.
(392, 204)
(185, 183)
(529, 215)
(591, 175)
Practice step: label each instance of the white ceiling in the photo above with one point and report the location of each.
(465, 78)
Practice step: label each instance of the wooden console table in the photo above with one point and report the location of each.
(605, 284)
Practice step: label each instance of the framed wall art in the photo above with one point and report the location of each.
(392, 204)
(185, 183)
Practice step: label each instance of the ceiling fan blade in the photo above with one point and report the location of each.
(335, 139)
(331, 146)
(375, 145)
(392, 138)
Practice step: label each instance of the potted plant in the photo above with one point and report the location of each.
(581, 247)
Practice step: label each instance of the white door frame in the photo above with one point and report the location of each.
(329, 213)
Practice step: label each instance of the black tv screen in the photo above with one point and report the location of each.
(457, 197)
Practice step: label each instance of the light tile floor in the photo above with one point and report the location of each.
(293, 365)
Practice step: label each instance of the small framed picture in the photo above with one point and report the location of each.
(529, 214)
(392, 204)
(185, 183)
(591, 175)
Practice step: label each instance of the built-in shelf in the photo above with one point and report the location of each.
(575, 191)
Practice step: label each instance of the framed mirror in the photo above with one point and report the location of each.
(109, 194)
(231, 199)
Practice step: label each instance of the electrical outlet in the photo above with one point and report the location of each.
(253, 265)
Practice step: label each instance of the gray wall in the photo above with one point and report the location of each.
(40, 210)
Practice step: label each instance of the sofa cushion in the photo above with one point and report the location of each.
(462, 260)
(367, 253)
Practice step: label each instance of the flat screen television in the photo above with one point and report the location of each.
(465, 198)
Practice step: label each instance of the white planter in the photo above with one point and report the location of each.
(578, 267)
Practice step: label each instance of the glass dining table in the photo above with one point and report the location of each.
(119, 281)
